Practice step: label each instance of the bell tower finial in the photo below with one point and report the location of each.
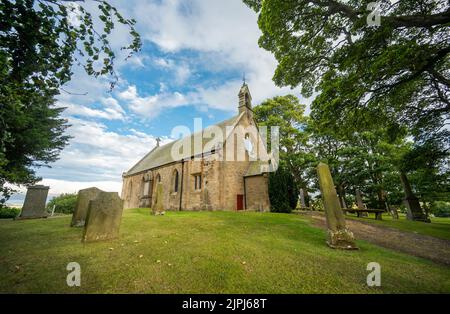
(243, 78)
(245, 99)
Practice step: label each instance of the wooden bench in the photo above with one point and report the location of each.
(378, 212)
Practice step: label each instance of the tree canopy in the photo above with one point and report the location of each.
(398, 69)
(40, 42)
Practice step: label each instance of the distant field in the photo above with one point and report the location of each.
(203, 252)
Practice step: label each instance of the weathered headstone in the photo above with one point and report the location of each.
(103, 217)
(53, 210)
(34, 205)
(158, 208)
(360, 204)
(413, 209)
(82, 205)
(393, 211)
(339, 237)
(302, 199)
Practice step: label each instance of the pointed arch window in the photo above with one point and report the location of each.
(175, 180)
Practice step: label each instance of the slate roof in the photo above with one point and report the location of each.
(162, 155)
(255, 168)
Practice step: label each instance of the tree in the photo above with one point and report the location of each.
(287, 113)
(283, 192)
(64, 203)
(399, 68)
(40, 41)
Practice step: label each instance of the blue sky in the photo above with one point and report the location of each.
(191, 65)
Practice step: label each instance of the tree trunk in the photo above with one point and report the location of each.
(359, 201)
(381, 203)
(391, 210)
(340, 192)
(307, 203)
(360, 204)
(414, 211)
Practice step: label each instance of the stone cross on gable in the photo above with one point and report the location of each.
(157, 141)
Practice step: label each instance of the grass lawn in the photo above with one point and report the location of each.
(439, 227)
(203, 252)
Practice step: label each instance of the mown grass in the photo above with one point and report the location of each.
(439, 227)
(203, 252)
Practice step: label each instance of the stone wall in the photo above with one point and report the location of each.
(132, 190)
(257, 193)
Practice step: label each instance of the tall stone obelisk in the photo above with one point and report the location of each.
(339, 237)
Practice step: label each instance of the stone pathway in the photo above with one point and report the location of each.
(435, 249)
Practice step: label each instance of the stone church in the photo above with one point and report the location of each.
(222, 167)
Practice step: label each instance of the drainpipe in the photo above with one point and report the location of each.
(245, 196)
(182, 181)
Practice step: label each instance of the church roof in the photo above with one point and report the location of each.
(255, 168)
(162, 155)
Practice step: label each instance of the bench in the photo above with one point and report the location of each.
(378, 212)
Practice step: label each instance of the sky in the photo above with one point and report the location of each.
(191, 66)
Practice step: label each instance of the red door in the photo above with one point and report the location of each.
(240, 202)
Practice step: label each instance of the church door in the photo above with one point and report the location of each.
(240, 202)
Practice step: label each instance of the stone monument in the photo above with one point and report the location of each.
(103, 217)
(339, 237)
(82, 205)
(34, 205)
(158, 208)
(414, 211)
(360, 204)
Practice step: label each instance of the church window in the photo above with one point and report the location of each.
(175, 181)
(197, 182)
(146, 188)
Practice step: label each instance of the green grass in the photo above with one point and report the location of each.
(439, 227)
(203, 252)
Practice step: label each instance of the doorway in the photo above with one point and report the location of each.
(240, 202)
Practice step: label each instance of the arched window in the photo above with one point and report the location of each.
(158, 178)
(175, 180)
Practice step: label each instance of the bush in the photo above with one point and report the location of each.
(317, 204)
(65, 203)
(9, 212)
(283, 192)
(440, 209)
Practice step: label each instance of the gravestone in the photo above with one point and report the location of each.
(413, 208)
(302, 199)
(339, 237)
(393, 211)
(103, 217)
(82, 205)
(360, 204)
(158, 208)
(34, 205)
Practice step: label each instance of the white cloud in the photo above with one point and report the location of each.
(182, 73)
(163, 63)
(111, 112)
(225, 33)
(150, 106)
(61, 186)
(181, 70)
(96, 154)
